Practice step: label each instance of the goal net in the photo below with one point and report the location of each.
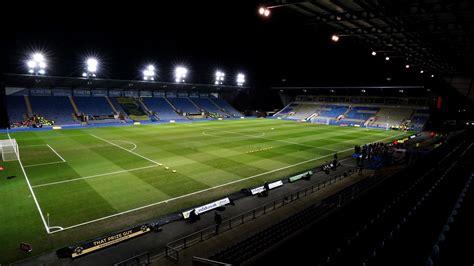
(9, 149)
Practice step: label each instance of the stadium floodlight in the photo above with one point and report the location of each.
(180, 74)
(219, 78)
(432, 75)
(387, 58)
(91, 68)
(263, 11)
(407, 66)
(37, 64)
(374, 53)
(240, 79)
(335, 38)
(149, 73)
(422, 71)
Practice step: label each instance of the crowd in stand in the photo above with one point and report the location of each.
(34, 121)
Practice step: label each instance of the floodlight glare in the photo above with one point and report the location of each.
(38, 57)
(92, 64)
(31, 64)
(240, 79)
(387, 58)
(407, 66)
(422, 71)
(263, 11)
(374, 53)
(149, 73)
(180, 74)
(432, 75)
(36, 65)
(335, 38)
(219, 77)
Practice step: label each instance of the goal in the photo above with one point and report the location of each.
(9, 149)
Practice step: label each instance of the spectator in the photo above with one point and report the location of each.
(218, 220)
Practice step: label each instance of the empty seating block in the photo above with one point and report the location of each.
(16, 108)
(184, 105)
(56, 108)
(95, 106)
(226, 107)
(207, 105)
(162, 108)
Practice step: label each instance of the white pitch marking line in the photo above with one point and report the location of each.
(40, 164)
(203, 190)
(92, 176)
(56, 227)
(129, 142)
(32, 193)
(197, 192)
(56, 153)
(132, 152)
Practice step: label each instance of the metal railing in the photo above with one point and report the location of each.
(140, 259)
(173, 248)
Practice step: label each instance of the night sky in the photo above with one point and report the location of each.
(226, 35)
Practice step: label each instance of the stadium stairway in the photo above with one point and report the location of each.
(193, 103)
(226, 107)
(184, 105)
(112, 106)
(207, 105)
(162, 108)
(149, 112)
(94, 106)
(28, 106)
(74, 106)
(56, 108)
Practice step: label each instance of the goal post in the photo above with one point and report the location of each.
(9, 149)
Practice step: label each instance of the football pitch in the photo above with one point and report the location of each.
(75, 184)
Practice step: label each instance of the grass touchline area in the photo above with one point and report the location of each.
(113, 177)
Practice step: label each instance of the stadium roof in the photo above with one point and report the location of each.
(436, 36)
(32, 81)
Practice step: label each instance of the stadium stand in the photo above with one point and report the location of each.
(16, 108)
(372, 115)
(226, 107)
(393, 117)
(131, 107)
(94, 106)
(361, 113)
(406, 213)
(207, 105)
(55, 108)
(184, 105)
(162, 108)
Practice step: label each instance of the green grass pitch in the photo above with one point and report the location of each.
(87, 182)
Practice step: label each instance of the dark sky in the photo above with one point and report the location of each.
(202, 35)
